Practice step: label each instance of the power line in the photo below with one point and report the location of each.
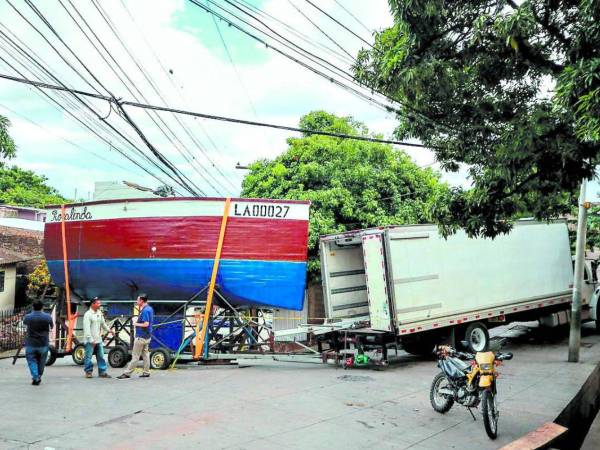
(354, 17)
(166, 163)
(338, 22)
(323, 32)
(169, 75)
(330, 78)
(210, 116)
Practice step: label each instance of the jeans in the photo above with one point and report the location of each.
(36, 360)
(97, 350)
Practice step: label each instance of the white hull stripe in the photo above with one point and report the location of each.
(182, 208)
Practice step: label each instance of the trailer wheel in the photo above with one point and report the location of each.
(418, 346)
(118, 356)
(78, 354)
(160, 358)
(477, 337)
(52, 355)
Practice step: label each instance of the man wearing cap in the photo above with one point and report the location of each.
(93, 326)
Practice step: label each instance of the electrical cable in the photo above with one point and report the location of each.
(211, 116)
(354, 17)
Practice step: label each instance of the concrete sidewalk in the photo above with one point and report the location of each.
(282, 405)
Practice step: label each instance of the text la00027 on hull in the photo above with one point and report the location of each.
(166, 248)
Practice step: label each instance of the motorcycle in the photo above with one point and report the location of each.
(469, 380)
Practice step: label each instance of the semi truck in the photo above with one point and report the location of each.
(410, 285)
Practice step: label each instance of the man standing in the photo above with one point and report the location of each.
(36, 342)
(93, 326)
(143, 334)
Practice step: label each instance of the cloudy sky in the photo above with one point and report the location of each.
(173, 54)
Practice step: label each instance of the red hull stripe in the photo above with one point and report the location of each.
(179, 237)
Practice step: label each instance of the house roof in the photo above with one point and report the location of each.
(10, 257)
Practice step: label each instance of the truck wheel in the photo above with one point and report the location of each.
(78, 354)
(118, 356)
(477, 337)
(418, 347)
(160, 359)
(52, 355)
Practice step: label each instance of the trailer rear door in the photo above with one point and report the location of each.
(376, 281)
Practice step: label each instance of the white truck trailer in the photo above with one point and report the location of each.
(409, 285)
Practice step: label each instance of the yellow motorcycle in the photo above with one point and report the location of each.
(469, 380)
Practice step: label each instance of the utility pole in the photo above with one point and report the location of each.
(575, 333)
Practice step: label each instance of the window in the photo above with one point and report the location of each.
(2, 281)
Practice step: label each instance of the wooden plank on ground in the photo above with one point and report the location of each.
(537, 439)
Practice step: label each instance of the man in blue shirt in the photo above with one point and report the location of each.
(39, 325)
(143, 334)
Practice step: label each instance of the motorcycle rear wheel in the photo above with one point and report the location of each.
(489, 409)
(440, 402)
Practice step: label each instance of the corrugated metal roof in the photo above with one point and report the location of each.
(10, 257)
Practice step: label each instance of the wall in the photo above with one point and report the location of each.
(7, 296)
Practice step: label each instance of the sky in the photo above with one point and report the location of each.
(175, 56)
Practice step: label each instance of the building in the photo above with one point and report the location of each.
(23, 213)
(9, 281)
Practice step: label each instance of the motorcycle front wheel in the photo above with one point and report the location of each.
(440, 402)
(489, 409)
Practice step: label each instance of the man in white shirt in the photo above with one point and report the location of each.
(93, 326)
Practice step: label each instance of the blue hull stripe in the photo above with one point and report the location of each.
(277, 284)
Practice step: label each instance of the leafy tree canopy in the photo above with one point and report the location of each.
(511, 89)
(7, 145)
(25, 188)
(351, 184)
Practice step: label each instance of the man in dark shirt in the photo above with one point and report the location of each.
(39, 325)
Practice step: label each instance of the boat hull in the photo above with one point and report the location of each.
(118, 249)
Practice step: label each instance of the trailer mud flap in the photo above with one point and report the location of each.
(376, 280)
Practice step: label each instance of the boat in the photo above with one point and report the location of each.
(166, 247)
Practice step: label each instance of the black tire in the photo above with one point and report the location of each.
(52, 355)
(478, 337)
(78, 354)
(440, 403)
(160, 359)
(489, 409)
(118, 356)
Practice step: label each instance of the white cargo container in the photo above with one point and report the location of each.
(410, 281)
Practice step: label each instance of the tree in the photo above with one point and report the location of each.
(510, 89)
(165, 191)
(25, 188)
(351, 184)
(7, 145)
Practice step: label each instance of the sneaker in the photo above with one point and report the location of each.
(104, 375)
(145, 375)
(36, 382)
(123, 376)
(89, 375)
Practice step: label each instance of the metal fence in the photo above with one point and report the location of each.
(12, 330)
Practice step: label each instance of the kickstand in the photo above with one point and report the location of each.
(472, 415)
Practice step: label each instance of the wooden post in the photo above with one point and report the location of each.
(201, 336)
(70, 317)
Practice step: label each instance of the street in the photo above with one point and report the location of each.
(268, 404)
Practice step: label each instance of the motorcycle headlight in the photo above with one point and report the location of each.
(485, 366)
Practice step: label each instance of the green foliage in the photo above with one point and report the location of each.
(7, 145)
(25, 188)
(39, 279)
(351, 184)
(510, 89)
(165, 191)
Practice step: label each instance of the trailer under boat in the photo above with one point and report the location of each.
(165, 247)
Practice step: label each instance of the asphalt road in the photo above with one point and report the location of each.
(284, 405)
